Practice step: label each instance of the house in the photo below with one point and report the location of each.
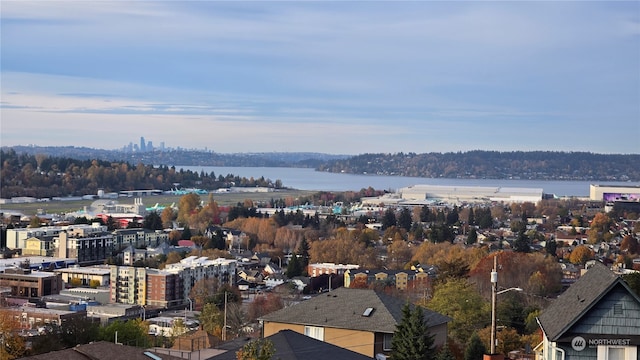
(272, 269)
(360, 320)
(290, 345)
(102, 350)
(598, 317)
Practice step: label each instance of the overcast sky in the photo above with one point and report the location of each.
(340, 77)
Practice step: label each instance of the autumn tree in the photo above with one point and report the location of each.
(534, 272)
(212, 319)
(263, 305)
(168, 216)
(629, 244)
(261, 349)
(400, 253)
(343, 250)
(13, 344)
(187, 206)
(202, 290)
(598, 228)
(581, 254)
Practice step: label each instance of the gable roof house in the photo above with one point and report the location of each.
(598, 317)
(359, 320)
(290, 345)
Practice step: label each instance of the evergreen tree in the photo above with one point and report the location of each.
(186, 233)
(445, 354)
(389, 219)
(412, 340)
(471, 220)
(152, 221)
(472, 238)
(551, 247)
(405, 220)
(294, 268)
(475, 348)
(522, 242)
(303, 250)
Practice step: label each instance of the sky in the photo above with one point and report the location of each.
(338, 77)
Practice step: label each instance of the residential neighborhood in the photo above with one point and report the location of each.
(339, 273)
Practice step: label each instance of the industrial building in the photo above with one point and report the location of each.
(470, 194)
(611, 193)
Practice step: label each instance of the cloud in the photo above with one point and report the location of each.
(363, 69)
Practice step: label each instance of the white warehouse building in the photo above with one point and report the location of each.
(461, 194)
(612, 193)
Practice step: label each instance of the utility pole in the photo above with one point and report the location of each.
(224, 328)
(494, 295)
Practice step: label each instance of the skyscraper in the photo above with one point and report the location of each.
(143, 145)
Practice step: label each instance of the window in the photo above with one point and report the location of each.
(386, 342)
(617, 352)
(314, 332)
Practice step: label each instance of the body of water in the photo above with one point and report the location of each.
(309, 179)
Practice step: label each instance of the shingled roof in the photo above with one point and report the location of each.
(290, 345)
(344, 308)
(578, 299)
(102, 350)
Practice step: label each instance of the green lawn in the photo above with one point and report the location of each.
(223, 199)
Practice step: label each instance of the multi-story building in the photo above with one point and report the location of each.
(85, 275)
(87, 247)
(16, 238)
(39, 247)
(193, 269)
(138, 237)
(329, 268)
(128, 285)
(401, 279)
(164, 289)
(27, 284)
(30, 317)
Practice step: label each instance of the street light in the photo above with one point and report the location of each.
(494, 295)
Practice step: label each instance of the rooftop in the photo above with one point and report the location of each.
(345, 308)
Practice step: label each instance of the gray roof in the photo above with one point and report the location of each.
(578, 299)
(101, 350)
(290, 345)
(343, 308)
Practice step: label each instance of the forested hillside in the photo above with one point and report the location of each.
(535, 165)
(42, 176)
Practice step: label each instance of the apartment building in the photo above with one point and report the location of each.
(193, 269)
(88, 247)
(164, 289)
(138, 237)
(318, 269)
(128, 285)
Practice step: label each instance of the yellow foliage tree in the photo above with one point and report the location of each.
(581, 254)
(14, 345)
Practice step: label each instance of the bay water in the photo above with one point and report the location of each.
(309, 179)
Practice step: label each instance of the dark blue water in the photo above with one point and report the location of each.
(309, 179)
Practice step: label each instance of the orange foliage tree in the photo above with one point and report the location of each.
(581, 254)
(533, 272)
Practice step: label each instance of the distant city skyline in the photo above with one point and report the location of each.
(336, 77)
